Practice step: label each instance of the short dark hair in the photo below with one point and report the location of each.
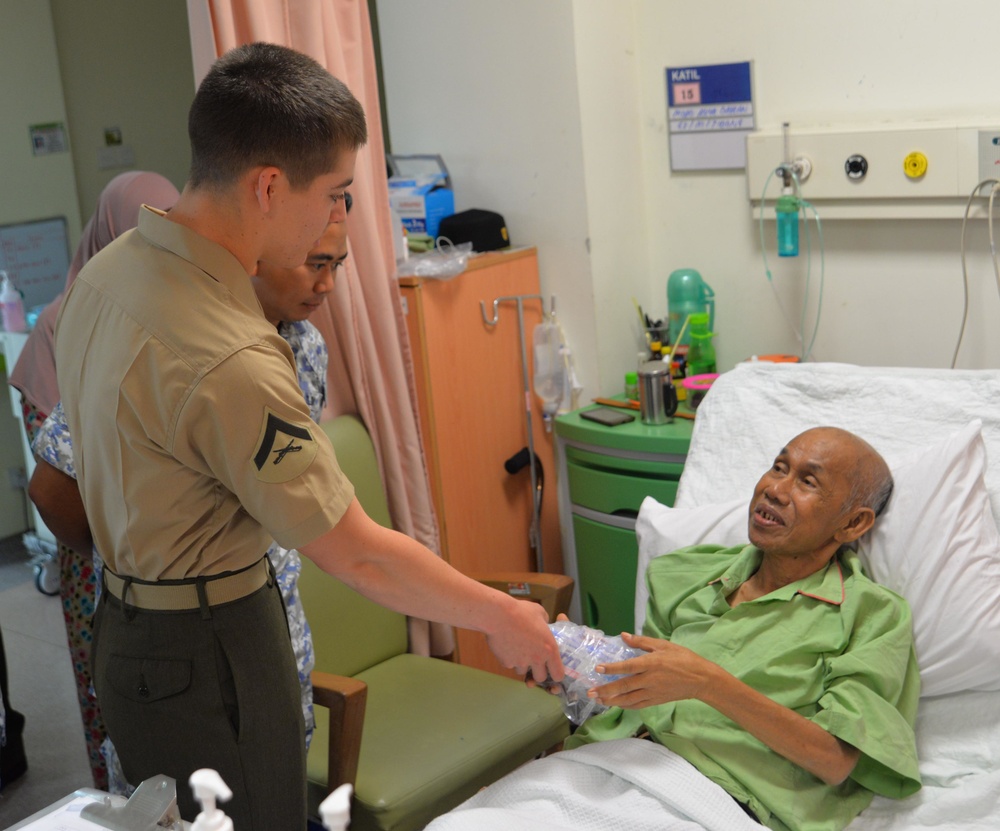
(871, 480)
(264, 104)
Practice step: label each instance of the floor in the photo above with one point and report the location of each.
(41, 687)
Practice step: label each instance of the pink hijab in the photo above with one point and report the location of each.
(117, 212)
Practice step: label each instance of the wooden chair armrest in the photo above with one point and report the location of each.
(345, 698)
(552, 591)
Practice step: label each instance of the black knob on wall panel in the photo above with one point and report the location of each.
(856, 167)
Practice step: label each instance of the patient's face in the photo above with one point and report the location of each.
(798, 505)
(293, 294)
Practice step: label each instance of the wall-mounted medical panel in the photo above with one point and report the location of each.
(877, 172)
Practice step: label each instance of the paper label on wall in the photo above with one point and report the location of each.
(709, 113)
(48, 138)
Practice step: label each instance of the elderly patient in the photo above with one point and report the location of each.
(779, 670)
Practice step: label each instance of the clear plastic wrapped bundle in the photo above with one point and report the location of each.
(582, 649)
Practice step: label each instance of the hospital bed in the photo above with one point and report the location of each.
(937, 544)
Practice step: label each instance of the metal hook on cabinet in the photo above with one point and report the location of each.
(518, 298)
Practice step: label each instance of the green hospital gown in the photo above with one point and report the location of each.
(835, 647)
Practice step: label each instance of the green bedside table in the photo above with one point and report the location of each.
(609, 471)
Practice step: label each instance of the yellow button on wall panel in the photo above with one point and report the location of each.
(915, 165)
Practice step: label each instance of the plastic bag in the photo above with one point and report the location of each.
(582, 649)
(443, 263)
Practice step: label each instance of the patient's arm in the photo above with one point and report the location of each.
(671, 673)
(57, 498)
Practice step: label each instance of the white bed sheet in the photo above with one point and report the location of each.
(745, 420)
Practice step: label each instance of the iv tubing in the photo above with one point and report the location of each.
(965, 270)
(804, 352)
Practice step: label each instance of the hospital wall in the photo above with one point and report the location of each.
(125, 65)
(893, 289)
(576, 157)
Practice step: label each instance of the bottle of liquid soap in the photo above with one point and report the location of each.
(209, 789)
(12, 305)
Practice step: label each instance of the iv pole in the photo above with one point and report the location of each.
(535, 533)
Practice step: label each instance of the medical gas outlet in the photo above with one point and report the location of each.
(915, 170)
(856, 167)
(915, 165)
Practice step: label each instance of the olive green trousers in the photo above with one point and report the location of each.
(209, 688)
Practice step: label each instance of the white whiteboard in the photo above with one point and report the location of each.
(36, 256)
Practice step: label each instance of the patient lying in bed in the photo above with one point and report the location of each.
(781, 676)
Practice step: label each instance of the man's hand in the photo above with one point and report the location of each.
(400, 573)
(526, 644)
(667, 672)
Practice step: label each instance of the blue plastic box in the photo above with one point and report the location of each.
(421, 202)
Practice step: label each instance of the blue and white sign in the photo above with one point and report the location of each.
(709, 113)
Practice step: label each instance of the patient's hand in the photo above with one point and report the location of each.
(667, 673)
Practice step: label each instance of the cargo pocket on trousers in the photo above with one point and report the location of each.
(144, 679)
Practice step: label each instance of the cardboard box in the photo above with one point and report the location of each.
(421, 202)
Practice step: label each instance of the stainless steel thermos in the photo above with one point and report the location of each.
(657, 394)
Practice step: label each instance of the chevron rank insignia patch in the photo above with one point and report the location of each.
(283, 451)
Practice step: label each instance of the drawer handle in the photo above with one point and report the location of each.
(629, 513)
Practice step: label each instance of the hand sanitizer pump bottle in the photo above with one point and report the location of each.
(209, 787)
(12, 305)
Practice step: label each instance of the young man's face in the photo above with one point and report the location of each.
(293, 294)
(298, 218)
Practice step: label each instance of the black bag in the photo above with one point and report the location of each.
(486, 230)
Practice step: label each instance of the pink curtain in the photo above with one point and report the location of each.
(370, 362)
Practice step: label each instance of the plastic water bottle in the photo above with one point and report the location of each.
(582, 649)
(12, 305)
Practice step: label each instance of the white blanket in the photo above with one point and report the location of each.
(622, 785)
(633, 785)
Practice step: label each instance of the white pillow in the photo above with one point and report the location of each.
(937, 545)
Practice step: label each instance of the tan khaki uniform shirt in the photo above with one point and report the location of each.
(194, 447)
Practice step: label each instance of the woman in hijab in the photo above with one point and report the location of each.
(34, 376)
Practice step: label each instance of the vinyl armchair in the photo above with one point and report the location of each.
(416, 736)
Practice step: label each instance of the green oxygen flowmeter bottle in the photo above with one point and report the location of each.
(701, 353)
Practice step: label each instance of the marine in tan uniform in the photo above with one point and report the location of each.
(194, 448)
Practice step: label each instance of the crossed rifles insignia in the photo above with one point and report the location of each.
(284, 450)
